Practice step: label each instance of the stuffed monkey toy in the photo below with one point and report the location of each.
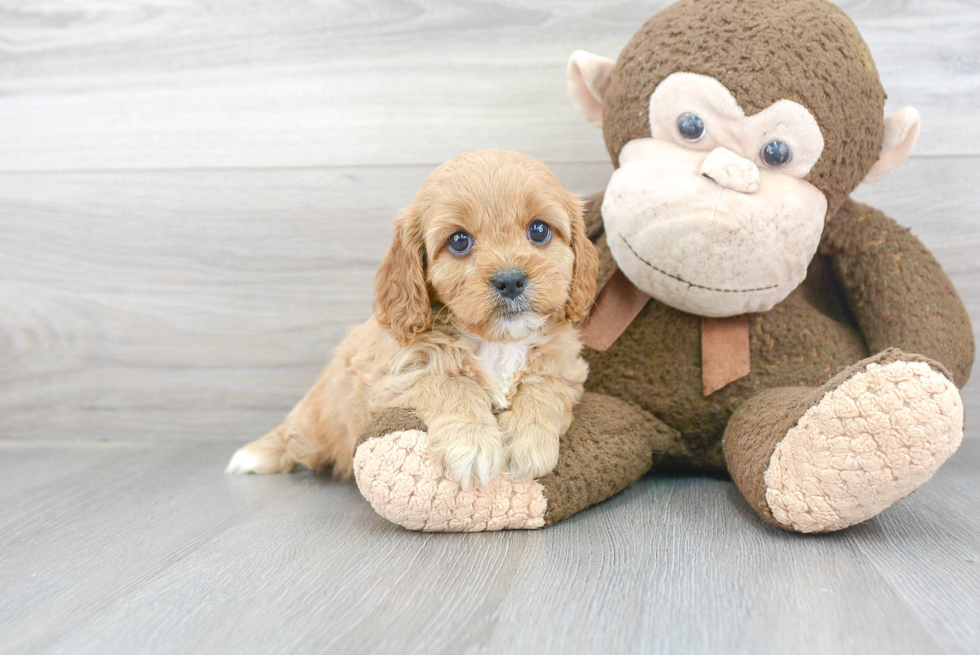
(752, 318)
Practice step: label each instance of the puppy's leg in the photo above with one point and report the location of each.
(463, 432)
(314, 434)
(540, 413)
(266, 455)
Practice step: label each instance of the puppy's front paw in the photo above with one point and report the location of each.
(531, 451)
(469, 451)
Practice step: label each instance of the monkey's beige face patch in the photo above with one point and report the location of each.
(711, 215)
(702, 248)
(726, 125)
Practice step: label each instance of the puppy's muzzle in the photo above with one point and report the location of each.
(509, 283)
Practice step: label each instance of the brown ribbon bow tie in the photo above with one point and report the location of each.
(724, 341)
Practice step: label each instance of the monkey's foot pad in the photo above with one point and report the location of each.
(869, 442)
(407, 487)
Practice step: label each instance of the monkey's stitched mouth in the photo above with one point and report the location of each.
(691, 284)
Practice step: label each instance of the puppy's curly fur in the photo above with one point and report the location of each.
(494, 377)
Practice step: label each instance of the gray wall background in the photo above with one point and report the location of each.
(194, 195)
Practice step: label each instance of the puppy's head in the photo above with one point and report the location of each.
(494, 238)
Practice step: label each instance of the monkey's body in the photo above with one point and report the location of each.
(738, 130)
(667, 380)
(802, 344)
(803, 341)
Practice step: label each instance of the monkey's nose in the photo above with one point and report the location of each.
(509, 282)
(731, 171)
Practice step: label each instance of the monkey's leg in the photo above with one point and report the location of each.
(609, 446)
(822, 459)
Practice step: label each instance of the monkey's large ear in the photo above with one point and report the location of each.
(588, 79)
(901, 133)
(401, 299)
(586, 266)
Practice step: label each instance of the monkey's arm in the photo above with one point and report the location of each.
(897, 290)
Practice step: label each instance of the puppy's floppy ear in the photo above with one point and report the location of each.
(586, 266)
(401, 299)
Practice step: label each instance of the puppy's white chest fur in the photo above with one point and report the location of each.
(502, 363)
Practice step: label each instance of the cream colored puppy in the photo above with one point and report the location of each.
(473, 330)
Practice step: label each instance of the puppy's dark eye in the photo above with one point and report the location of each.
(460, 243)
(539, 232)
(691, 127)
(776, 153)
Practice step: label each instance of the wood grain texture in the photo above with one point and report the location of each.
(126, 84)
(149, 550)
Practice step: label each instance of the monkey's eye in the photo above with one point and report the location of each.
(691, 127)
(776, 154)
(539, 232)
(460, 243)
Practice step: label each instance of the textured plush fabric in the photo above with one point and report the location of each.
(698, 245)
(764, 421)
(868, 443)
(395, 474)
(753, 433)
(763, 51)
(737, 173)
(897, 290)
(609, 446)
(394, 420)
(656, 363)
(406, 486)
(593, 224)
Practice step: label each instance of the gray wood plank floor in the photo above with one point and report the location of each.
(194, 196)
(145, 548)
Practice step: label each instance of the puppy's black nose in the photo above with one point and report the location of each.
(509, 283)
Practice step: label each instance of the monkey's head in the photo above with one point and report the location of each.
(736, 128)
